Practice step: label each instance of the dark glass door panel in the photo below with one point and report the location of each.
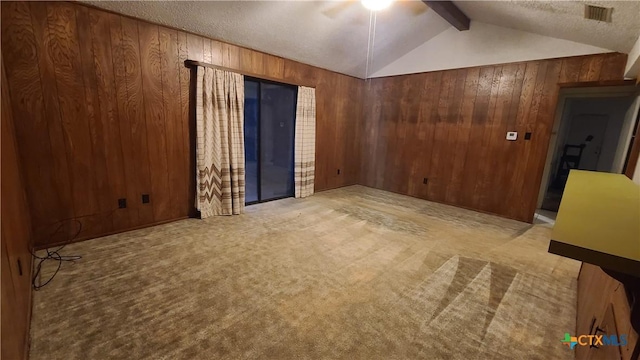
(251, 140)
(269, 129)
(277, 128)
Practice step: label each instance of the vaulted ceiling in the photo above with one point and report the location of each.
(563, 19)
(335, 34)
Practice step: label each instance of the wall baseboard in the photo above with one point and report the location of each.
(60, 243)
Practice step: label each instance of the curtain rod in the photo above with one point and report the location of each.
(195, 63)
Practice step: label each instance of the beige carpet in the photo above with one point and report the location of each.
(348, 273)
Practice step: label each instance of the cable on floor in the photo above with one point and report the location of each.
(54, 255)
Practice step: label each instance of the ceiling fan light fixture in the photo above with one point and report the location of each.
(376, 5)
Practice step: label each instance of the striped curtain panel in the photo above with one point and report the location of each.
(305, 151)
(220, 142)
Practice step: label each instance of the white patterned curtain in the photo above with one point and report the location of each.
(220, 142)
(305, 151)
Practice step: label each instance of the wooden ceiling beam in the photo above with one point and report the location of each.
(450, 12)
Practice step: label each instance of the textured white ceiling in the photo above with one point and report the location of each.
(328, 34)
(334, 34)
(563, 20)
(483, 44)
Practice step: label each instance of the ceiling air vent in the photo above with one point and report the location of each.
(597, 13)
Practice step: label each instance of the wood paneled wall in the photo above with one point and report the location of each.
(15, 229)
(102, 113)
(450, 127)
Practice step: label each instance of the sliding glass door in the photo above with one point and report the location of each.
(269, 128)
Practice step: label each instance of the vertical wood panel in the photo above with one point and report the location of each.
(108, 113)
(206, 52)
(372, 112)
(385, 175)
(478, 120)
(257, 63)
(613, 66)
(176, 148)
(570, 71)
(455, 107)
(428, 106)
(249, 57)
(356, 127)
(188, 156)
(151, 72)
(15, 239)
(403, 121)
(518, 202)
(483, 172)
(504, 149)
(14, 338)
(590, 68)
(12, 343)
(195, 46)
(464, 124)
(595, 68)
(64, 51)
(302, 74)
(321, 171)
(130, 215)
(439, 116)
(101, 221)
(584, 68)
(216, 53)
(487, 185)
(135, 112)
(274, 66)
(518, 148)
(23, 77)
(245, 60)
(539, 143)
(338, 133)
(230, 56)
(61, 178)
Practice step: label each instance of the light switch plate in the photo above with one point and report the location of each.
(512, 135)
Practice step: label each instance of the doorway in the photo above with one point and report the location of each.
(592, 131)
(269, 130)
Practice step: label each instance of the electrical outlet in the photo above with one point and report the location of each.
(425, 180)
(527, 136)
(145, 198)
(122, 203)
(512, 135)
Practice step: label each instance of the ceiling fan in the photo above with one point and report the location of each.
(445, 8)
(413, 6)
